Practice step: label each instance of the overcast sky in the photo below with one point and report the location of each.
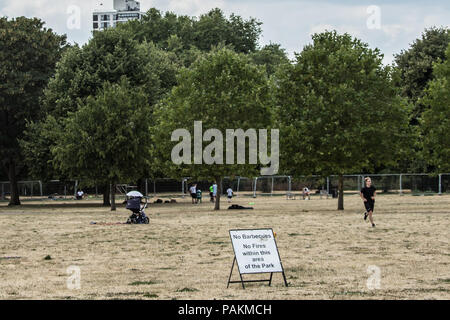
(388, 25)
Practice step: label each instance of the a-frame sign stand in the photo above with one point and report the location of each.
(249, 281)
(265, 250)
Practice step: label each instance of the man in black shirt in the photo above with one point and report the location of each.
(368, 194)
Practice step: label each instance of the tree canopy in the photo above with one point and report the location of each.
(107, 139)
(209, 30)
(416, 66)
(224, 90)
(436, 120)
(272, 56)
(110, 56)
(28, 55)
(338, 110)
(107, 57)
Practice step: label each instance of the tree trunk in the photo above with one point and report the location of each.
(141, 186)
(14, 200)
(112, 188)
(341, 192)
(106, 192)
(219, 192)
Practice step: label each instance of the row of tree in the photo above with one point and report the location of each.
(104, 113)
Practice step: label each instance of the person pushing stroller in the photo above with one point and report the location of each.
(134, 205)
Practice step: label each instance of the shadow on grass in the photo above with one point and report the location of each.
(56, 205)
(73, 204)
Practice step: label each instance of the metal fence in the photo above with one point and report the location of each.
(414, 184)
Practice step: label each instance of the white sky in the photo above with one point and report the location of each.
(288, 22)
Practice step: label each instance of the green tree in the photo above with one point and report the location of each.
(436, 120)
(338, 109)
(82, 72)
(28, 55)
(272, 56)
(108, 138)
(416, 66)
(214, 28)
(107, 57)
(224, 90)
(208, 31)
(157, 27)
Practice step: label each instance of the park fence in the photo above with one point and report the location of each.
(403, 184)
(413, 184)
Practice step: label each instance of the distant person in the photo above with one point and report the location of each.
(211, 193)
(306, 193)
(80, 195)
(229, 194)
(193, 191)
(214, 191)
(368, 194)
(199, 196)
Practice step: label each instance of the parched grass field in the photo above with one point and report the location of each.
(186, 253)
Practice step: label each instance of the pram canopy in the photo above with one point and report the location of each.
(134, 204)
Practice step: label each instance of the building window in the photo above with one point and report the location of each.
(105, 17)
(105, 25)
(95, 25)
(129, 16)
(95, 17)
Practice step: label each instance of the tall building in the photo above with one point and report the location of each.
(123, 11)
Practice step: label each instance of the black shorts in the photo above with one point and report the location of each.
(370, 205)
(230, 197)
(194, 195)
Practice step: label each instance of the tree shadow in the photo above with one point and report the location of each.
(55, 205)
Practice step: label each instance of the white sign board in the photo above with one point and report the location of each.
(256, 251)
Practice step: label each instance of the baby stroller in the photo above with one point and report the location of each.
(134, 205)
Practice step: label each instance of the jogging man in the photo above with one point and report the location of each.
(368, 194)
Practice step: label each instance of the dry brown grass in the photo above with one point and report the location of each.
(185, 253)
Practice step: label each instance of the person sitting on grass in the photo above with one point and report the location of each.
(306, 193)
(80, 195)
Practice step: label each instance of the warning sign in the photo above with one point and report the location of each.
(256, 251)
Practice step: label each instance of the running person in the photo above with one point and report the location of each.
(368, 194)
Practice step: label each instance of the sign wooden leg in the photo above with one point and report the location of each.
(270, 280)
